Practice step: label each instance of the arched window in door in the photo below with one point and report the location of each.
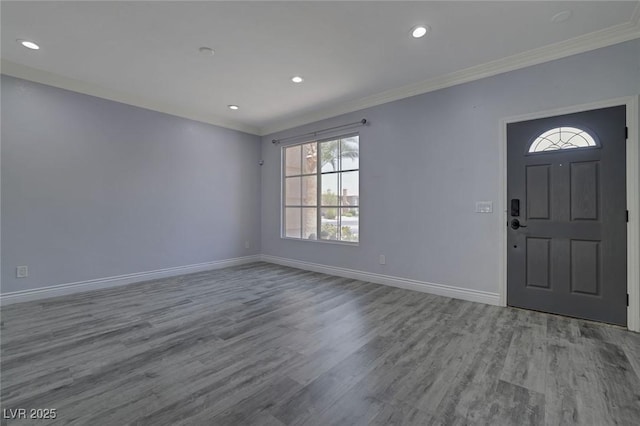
(562, 138)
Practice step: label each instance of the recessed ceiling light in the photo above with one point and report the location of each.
(419, 31)
(28, 44)
(233, 107)
(206, 51)
(297, 79)
(561, 16)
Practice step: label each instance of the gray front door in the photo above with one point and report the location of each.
(567, 225)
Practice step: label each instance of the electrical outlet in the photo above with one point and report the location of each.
(247, 244)
(382, 259)
(22, 272)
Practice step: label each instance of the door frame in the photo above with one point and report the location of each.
(633, 196)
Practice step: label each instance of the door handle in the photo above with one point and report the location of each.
(515, 224)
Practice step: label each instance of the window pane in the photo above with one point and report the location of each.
(350, 191)
(562, 138)
(292, 191)
(309, 158)
(329, 156)
(350, 153)
(292, 160)
(334, 200)
(309, 190)
(309, 223)
(349, 224)
(329, 189)
(329, 229)
(292, 228)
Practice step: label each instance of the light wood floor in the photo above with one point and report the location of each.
(268, 345)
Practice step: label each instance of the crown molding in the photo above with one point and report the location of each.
(609, 36)
(51, 79)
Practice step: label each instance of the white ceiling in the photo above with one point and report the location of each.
(351, 54)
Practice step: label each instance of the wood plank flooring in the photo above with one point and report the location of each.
(263, 344)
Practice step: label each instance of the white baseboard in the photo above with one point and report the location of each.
(100, 283)
(425, 287)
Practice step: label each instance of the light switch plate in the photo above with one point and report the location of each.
(484, 206)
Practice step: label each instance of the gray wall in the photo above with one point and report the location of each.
(93, 188)
(426, 160)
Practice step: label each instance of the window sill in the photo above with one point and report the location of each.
(334, 242)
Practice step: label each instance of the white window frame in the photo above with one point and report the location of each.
(318, 206)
